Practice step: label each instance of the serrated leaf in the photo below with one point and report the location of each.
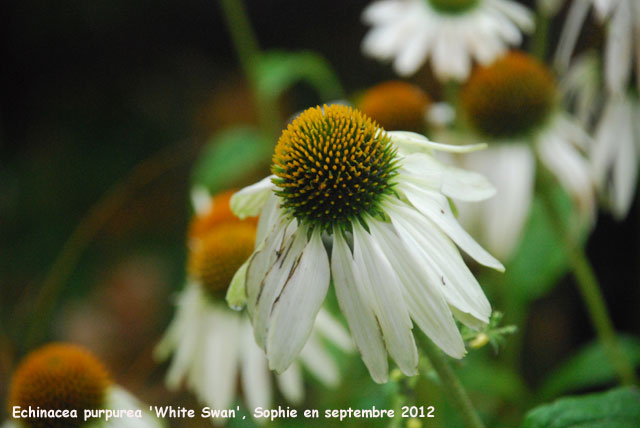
(277, 71)
(618, 408)
(229, 156)
(589, 367)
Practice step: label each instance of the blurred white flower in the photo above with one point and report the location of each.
(622, 41)
(512, 103)
(211, 344)
(380, 200)
(451, 34)
(615, 153)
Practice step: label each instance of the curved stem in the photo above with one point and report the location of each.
(248, 51)
(590, 291)
(452, 385)
(53, 284)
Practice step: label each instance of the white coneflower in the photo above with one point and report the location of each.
(62, 376)
(339, 178)
(512, 103)
(211, 344)
(615, 152)
(622, 41)
(452, 33)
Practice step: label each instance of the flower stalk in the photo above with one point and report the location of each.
(452, 385)
(248, 51)
(590, 290)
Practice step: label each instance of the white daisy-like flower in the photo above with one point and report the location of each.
(341, 182)
(212, 344)
(615, 152)
(512, 104)
(452, 33)
(622, 41)
(62, 376)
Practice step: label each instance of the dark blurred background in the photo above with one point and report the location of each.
(90, 89)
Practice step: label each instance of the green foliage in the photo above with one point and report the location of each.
(278, 71)
(229, 157)
(589, 367)
(540, 259)
(618, 408)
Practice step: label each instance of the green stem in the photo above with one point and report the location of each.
(248, 51)
(541, 36)
(590, 291)
(452, 385)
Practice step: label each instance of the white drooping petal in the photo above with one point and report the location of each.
(294, 310)
(618, 49)
(436, 207)
(255, 375)
(356, 307)
(571, 169)
(425, 171)
(501, 219)
(119, 398)
(421, 291)
(331, 329)
(411, 142)
(290, 383)
(261, 262)
(182, 336)
(459, 286)
(249, 201)
(318, 361)
(570, 32)
(614, 155)
(215, 383)
(372, 268)
(268, 218)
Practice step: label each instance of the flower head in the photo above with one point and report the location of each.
(509, 98)
(452, 33)
(59, 376)
(62, 376)
(396, 105)
(512, 104)
(381, 199)
(332, 166)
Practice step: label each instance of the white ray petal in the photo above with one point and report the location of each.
(318, 361)
(294, 310)
(119, 398)
(249, 201)
(290, 384)
(285, 258)
(372, 267)
(331, 329)
(356, 307)
(459, 286)
(436, 207)
(423, 296)
(256, 378)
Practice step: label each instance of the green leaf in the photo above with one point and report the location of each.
(618, 408)
(278, 71)
(589, 367)
(540, 259)
(229, 157)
